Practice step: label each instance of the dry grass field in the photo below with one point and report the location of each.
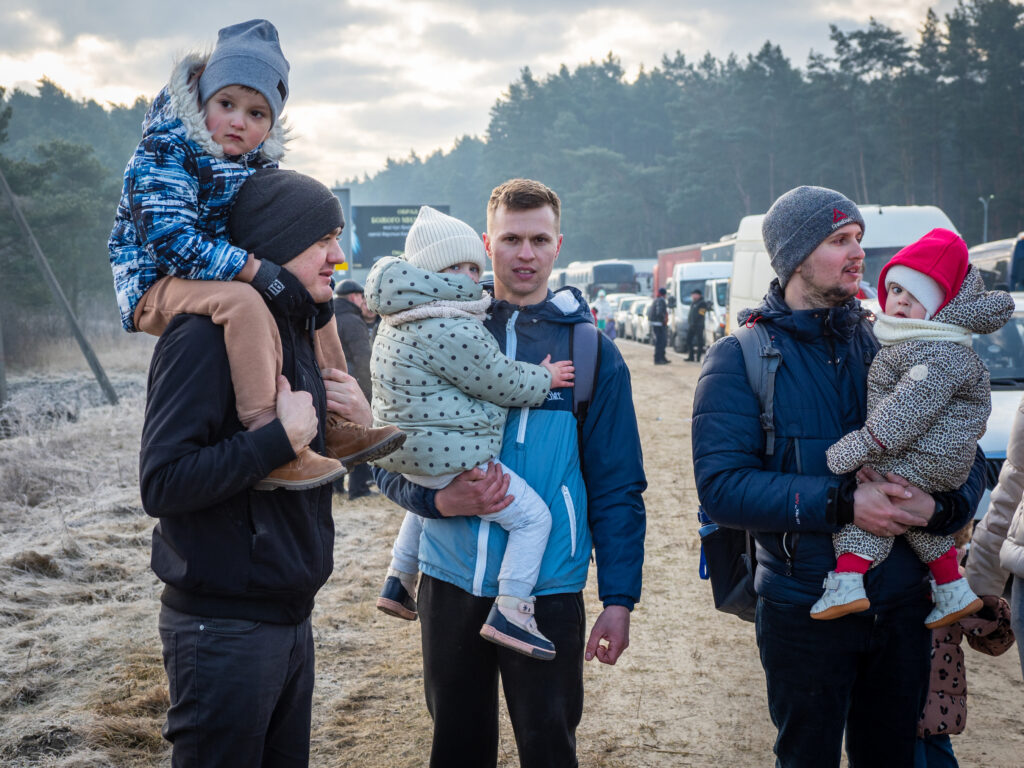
(81, 682)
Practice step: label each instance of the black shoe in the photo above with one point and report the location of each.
(352, 496)
(395, 601)
(689, 360)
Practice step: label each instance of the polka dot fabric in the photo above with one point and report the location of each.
(443, 380)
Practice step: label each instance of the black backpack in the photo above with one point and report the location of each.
(656, 311)
(585, 353)
(728, 556)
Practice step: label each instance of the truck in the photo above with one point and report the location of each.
(667, 260)
(887, 229)
(686, 278)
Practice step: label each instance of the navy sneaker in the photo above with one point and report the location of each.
(511, 624)
(395, 601)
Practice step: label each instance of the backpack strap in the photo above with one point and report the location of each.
(762, 360)
(585, 353)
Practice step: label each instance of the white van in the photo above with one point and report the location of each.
(887, 229)
(686, 278)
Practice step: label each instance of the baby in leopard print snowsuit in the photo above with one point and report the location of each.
(928, 403)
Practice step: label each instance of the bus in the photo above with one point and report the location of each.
(610, 275)
(556, 280)
(720, 251)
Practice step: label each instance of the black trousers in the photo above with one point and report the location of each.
(660, 339)
(241, 691)
(359, 480)
(695, 342)
(461, 672)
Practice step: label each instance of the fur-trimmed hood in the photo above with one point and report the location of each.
(176, 109)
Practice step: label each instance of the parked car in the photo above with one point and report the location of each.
(622, 312)
(1003, 353)
(637, 310)
(716, 294)
(643, 325)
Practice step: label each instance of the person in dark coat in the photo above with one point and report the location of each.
(241, 569)
(695, 326)
(862, 677)
(356, 340)
(657, 313)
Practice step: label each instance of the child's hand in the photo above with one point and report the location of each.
(562, 372)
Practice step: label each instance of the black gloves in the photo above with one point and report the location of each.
(324, 313)
(281, 288)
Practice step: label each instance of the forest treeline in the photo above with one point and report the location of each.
(682, 152)
(676, 155)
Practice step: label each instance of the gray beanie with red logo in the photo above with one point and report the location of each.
(799, 221)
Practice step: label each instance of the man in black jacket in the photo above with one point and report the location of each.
(241, 568)
(695, 326)
(356, 340)
(657, 313)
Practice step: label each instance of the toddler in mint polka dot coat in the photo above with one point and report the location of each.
(440, 376)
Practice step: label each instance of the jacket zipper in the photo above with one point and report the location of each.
(570, 510)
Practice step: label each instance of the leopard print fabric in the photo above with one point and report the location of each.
(928, 403)
(927, 546)
(988, 632)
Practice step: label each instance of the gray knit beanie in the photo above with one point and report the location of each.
(437, 241)
(278, 214)
(249, 54)
(799, 221)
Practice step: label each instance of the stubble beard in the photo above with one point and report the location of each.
(827, 295)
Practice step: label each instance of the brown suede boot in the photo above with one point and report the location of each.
(353, 444)
(307, 470)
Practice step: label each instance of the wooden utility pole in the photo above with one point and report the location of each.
(58, 294)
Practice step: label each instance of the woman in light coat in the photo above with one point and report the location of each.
(997, 550)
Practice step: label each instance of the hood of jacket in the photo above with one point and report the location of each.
(976, 309)
(394, 285)
(176, 110)
(566, 306)
(840, 322)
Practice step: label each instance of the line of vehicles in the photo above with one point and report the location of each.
(734, 274)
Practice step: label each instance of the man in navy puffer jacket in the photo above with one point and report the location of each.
(866, 673)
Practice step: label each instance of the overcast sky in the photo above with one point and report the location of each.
(372, 79)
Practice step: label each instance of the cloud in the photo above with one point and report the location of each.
(374, 78)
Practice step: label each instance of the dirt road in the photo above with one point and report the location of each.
(80, 676)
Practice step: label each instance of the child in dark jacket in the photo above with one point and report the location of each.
(217, 121)
(928, 403)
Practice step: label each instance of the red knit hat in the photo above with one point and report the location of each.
(932, 269)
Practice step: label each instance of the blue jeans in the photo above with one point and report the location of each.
(1017, 616)
(935, 752)
(865, 675)
(241, 691)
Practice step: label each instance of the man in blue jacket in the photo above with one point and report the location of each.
(241, 569)
(864, 674)
(594, 495)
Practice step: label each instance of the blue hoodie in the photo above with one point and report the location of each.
(595, 503)
(820, 395)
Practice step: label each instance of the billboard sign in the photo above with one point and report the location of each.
(380, 230)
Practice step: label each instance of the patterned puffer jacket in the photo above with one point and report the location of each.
(178, 189)
(988, 631)
(438, 373)
(997, 550)
(928, 393)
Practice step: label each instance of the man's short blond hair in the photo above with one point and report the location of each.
(523, 195)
